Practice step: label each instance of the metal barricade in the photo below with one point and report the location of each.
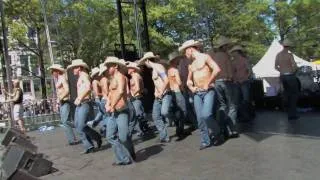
(36, 113)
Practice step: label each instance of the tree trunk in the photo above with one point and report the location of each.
(41, 66)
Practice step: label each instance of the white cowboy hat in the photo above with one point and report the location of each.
(77, 63)
(133, 65)
(189, 43)
(56, 67)
(94, 71)
(236, 48)
(115, 60)
(102, 69)
(223, 41)
(287, 43)
(148, 55)
(174, 55)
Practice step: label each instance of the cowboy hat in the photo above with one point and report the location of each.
(236, 48)
(115, 60)
(148, 55)
(223, 41)
(102, 69)
(287, 43)
(77, 63)
(94, 71)
(133, 65)
(189, 43)
(56, 67)
(173, 56)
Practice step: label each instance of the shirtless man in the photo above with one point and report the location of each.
(241, 77)
(226, 91)
(17, 98)
(202, 74)
(118, 123)
(136, 90)
(63, 95)
(97, 94)
(287, 67)
(163, 98)
(82, 102)
(177, 89)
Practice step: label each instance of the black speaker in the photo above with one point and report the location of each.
(22, 175)
(15, 158)
(38, 166)
(15, 136)
(19, 158)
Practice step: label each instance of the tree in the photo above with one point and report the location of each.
(25, 24)
(84, 29)
(298, 20)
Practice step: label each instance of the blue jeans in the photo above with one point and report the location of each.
(203, 103)
(132, 119)
(191, 115)
(118, 136)
(139, 115)
(245, 109)
(97, 110)
(85, 132)
(160, 112)
(181, 108)
(227, 98)
(65, 120)
(105, 115)
(291, 93)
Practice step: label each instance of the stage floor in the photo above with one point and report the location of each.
(269, 148)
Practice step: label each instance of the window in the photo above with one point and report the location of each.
(26, 86)
(24, 65)
(37, 85)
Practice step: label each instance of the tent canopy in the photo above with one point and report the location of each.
(265, 67)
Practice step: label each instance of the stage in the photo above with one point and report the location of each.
(269, 148)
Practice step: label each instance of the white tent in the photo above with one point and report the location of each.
(265, 70)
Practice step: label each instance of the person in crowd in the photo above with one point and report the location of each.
(183, 71)
(117, 105)
(225, 88)
(104, 85)
(82, 114)
(202, 74)
(136, 94)
(287, 67)
(63, 95)
(17, 98)
(97, 95)
(241, 78)
(177, 89)
(163, 98)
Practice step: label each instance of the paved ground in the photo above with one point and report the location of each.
(269, 148)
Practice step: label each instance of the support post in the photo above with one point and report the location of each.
(119, 10)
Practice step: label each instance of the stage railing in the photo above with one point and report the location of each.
(36, 113)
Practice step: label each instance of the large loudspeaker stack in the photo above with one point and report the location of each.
(20, 160)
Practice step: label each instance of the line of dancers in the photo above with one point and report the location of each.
(207, 85)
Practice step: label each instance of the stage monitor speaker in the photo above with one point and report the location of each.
(15, 158)
(22, 175)
(38, 166)
(15, 136)
(19, 158)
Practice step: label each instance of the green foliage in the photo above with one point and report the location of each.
(88, 29)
